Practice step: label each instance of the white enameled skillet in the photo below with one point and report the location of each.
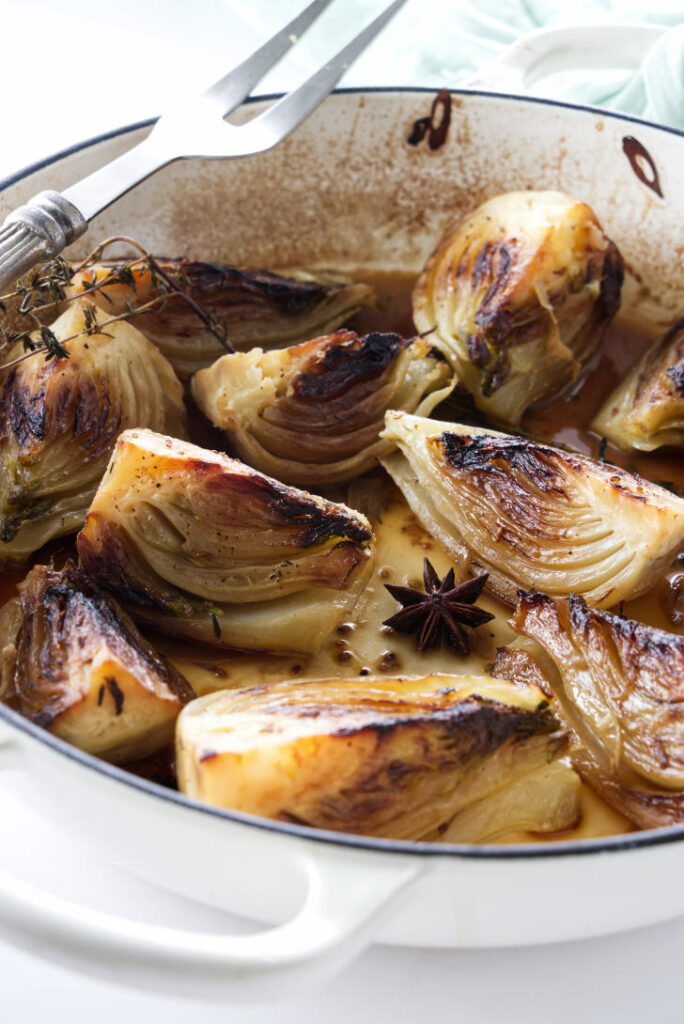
(349, 189)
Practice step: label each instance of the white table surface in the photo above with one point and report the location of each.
(70, 71)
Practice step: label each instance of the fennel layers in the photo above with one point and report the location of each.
(59, 421)
(312, 414)
(255, 307)
(646, 410)
(463, 758)
(533, 516)
(75, 664)
(519, 293)
(199, 545)
(620, 687)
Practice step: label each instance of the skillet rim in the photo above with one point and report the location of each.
(518, 851)
(114, 133)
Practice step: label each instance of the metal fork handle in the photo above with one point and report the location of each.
(50, 221)
(37, 231)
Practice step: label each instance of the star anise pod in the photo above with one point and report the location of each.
(442, 612)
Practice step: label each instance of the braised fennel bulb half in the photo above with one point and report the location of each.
(620, 687)
(199, 545)
(74, 663)
(533, 516)
(59, 420)
(646, 410)
(519, 292)
(256, 307)
(463, 758)
(312, 414)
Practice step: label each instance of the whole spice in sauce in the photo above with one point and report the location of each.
(441, 613)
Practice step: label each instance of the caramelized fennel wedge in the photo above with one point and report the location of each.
(312, 414)
(631, 796)
(59, 420)
(620, 685)
(520, 291)
(78, 667)
(646, 410)
(199, 545)
(533, 516)
(256, 307)
(386, 757)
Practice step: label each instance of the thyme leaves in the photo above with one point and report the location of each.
(51, 285)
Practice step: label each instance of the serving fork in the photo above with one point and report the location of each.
(52, 220)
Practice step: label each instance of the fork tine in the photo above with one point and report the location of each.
(278, 121)
(235, 86)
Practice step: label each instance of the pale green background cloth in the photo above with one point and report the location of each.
(442, 43)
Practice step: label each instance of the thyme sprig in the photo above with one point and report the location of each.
(46, 287)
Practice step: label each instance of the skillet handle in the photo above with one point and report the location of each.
(565, 48)
(348, 893)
